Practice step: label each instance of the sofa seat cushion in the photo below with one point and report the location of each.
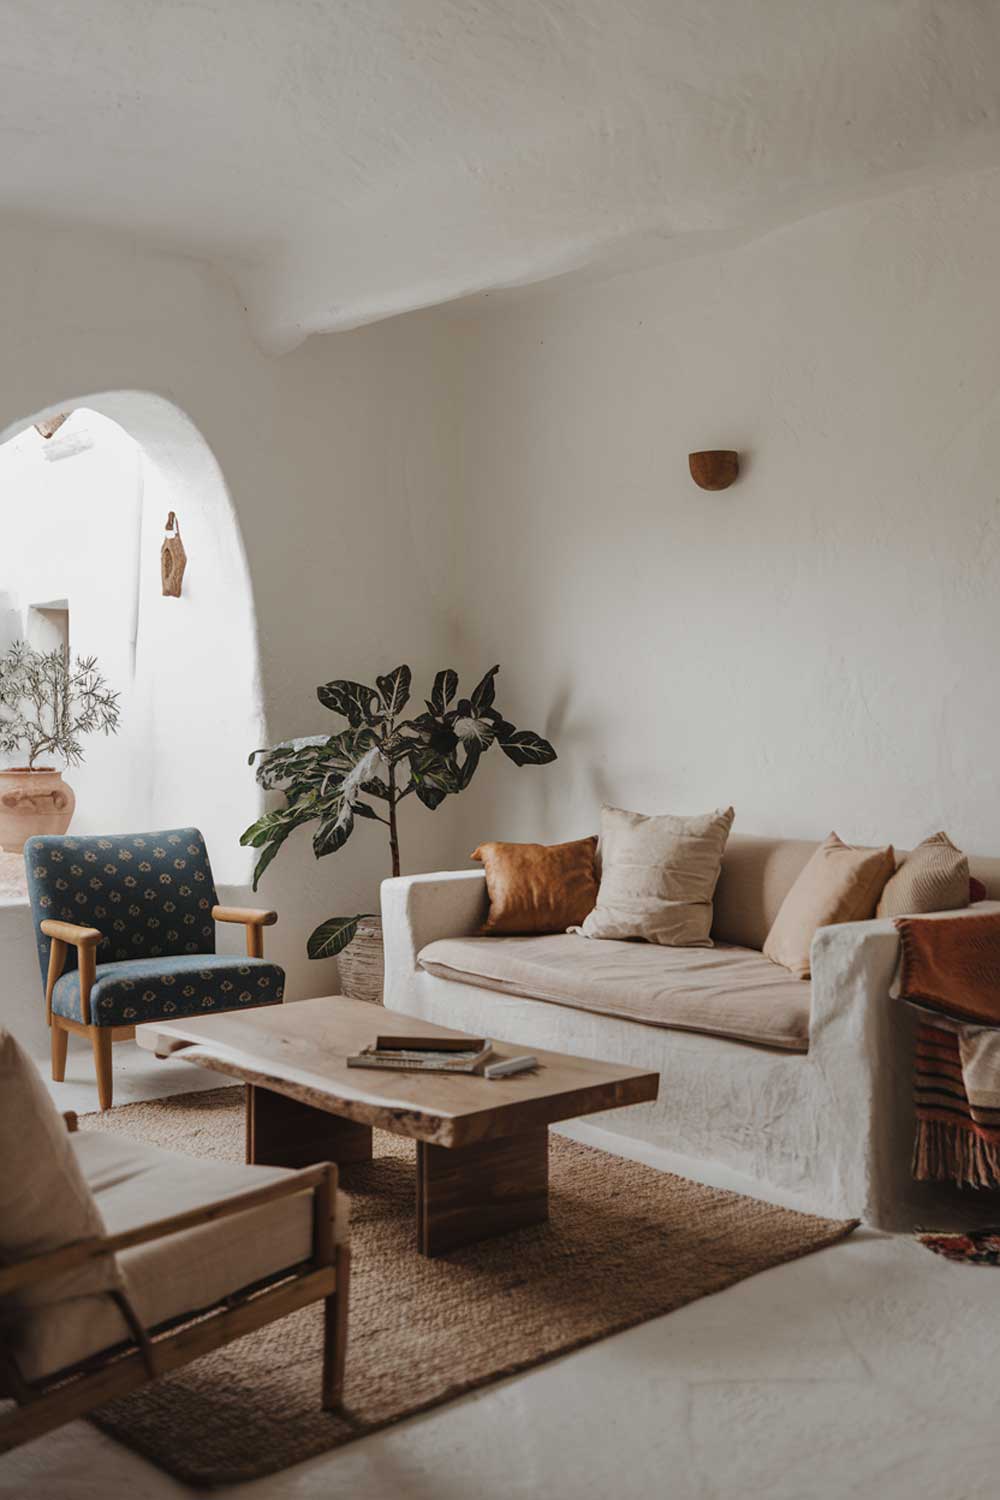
(181, 1274)
(184, 984)
(724, 991)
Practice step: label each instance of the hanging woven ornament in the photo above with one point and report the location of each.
(173, 559)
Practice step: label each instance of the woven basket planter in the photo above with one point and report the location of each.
(362, 963)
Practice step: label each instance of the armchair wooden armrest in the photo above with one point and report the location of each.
(253, 919)
(69, 932)
(85, 941)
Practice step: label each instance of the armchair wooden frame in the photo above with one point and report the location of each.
(64, 935)
(152, 1352)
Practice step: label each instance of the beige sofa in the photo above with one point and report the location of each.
(797, 1091)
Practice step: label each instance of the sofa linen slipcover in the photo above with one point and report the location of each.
(829, 1129)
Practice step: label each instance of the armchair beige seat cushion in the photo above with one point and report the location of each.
(134, 1184)
(724, 991)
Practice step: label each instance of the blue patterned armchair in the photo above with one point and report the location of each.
(125, 927)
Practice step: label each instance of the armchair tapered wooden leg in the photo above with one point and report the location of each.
(335, 1333)
(60, 1036)
(100, 1037)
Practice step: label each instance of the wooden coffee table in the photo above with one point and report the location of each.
(482, 1144)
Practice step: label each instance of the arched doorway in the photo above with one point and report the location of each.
(83, 564)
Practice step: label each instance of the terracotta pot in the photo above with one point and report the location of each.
(32, 802)
(362, 964)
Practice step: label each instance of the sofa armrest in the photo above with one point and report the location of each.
(419, 909)
(861, 1044)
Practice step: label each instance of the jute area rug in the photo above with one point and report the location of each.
(624, 1243)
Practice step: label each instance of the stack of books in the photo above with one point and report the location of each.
(439, 1054)
(426, 1054)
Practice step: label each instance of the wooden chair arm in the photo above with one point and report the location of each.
(253, 920)
(249, 915)
(68, 932)
(320, 1179)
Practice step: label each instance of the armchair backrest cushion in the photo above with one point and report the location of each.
(45, 1201)
(149, 894)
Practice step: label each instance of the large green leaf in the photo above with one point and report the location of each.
(333, 832)
(437, 772)
(394, 689)
(525, 748)
(430, 796)
(332, 936)
(354, 700)
(485, 691)
(444, 689)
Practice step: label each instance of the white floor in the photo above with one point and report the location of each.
(868, 1369)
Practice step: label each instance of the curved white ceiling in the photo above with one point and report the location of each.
(350, 159)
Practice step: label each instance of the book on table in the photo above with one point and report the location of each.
(425, 1054)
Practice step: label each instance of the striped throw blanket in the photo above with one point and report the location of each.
(950, 969)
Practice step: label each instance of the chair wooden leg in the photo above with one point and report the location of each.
(100, 1037)
(335, 1333)
(60, 1036)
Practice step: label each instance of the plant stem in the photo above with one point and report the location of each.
(393, 835)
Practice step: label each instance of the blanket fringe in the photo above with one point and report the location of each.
(950, 1153)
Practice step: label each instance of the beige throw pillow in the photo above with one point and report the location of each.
(658, 876)
(45, 1201)
(839, 884)
(932, 877)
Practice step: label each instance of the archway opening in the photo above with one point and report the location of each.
(83, 503)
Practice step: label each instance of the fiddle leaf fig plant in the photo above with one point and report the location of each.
(368, 768)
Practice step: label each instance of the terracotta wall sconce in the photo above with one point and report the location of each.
(173, 559)
(715, 469)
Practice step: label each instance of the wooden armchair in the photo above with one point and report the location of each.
(126, 933)
(62, 1353)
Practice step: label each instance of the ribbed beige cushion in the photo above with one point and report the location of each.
(839, 884)
(729, 992)
(658, 876)
(45, 1203)
(136, 1184)
(934, 877)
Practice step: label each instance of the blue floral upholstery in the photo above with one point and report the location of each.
(150, 895)
(187, 984)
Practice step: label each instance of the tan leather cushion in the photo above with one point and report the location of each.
(45, 1203)
(934, 877)
(538, 887)
(839, 884)
(729, 992)
(658, 876)
(135, 1184)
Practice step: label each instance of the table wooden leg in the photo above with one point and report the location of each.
(470, 1193)
(283, 1132)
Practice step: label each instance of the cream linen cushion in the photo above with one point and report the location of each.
(658, 875)
(932, 877)
(839, 884)
(45, 1203)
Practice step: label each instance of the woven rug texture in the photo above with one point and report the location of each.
(624, 1243)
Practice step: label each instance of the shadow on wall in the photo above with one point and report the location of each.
(186, 668)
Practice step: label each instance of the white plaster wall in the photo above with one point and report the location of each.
(816, 645)
(339, 461)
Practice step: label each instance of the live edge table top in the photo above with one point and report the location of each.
(300, 1049)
